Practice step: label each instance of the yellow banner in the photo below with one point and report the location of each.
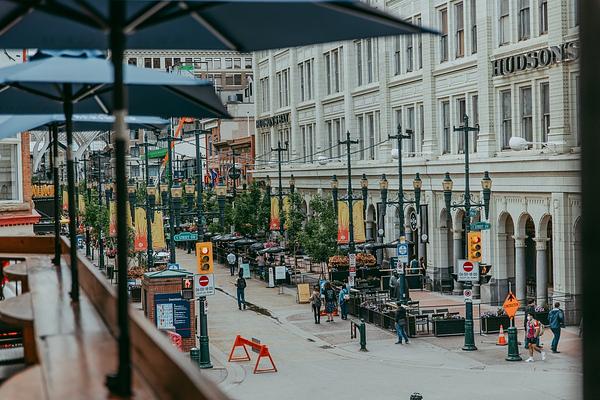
(344, 222)
(287, 204)
(140, 240)
(65, 200)
(275, 220)
(158, 232)
(81, 204)
(112, 219)
(129, 218)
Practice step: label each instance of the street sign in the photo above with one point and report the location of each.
(402, 252)
(352, 263)
(204, 285)
(187, 288)
(468, 271)
(174, 266)
(480, 226)
(468, 293)
(511, 305)
(351, 281)
(279, 272)
(185, 236)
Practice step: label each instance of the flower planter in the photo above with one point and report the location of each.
(377, 318)
(449, 327)
(492, 324)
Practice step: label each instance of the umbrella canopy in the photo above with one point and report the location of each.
(272, 250)
(10, 125)
(38, 87)
(244, 242)
(195, 24)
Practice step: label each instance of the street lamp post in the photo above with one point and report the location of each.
(467, 204)
(348, 143)
(100, 232)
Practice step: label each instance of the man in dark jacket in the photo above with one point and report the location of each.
(401, 323)
(556, 317)
(240, 283)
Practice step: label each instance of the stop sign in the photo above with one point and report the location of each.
(203, 280)
(468, 266)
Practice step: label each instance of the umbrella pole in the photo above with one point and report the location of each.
(68, 110)
(120, 383)
(56, 180)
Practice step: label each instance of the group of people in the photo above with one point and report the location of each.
(534, 329)
(327, 295)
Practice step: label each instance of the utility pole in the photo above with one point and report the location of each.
(348, 143)
(149, 207)
(279, 149)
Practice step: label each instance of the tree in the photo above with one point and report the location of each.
(294, 220)
(95, 216)
(319, 238)
(245, 215)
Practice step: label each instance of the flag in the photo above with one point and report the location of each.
(357, 221)
(214, 175)
(65, 200)
(274, 221)
(158, 231)
(140, 239)
(81, 203)
(112, 219)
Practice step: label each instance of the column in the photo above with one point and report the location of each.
(541, 271)
(458, 254)
(520, 272)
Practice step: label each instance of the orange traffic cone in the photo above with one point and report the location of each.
(501, 338)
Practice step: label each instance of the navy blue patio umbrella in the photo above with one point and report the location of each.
(192, 24)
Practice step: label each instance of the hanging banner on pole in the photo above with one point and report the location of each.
(275, 220)
(129, 219)
(343, 222)
(287, 205)
(158, 231)
(65, 200)
(359, 221)
(140, 240)
(112, 219)
(81, 201)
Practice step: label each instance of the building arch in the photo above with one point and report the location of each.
(371, 223)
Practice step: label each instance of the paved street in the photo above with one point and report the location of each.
(317, 359)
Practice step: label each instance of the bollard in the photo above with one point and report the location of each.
(513, 345)
(362, 328)
(195, 355)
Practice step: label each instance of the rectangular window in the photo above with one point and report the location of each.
(248, 63)
(410, 125)
(147, 63)
(328, 72)
(265, 94)
(9, 173)
(303, 130)
(409, 53)
(475, 120)
(524, 20)
(421, 127)
(359, 66)
(360, 121)
(504, 23)
(132, 61)
(397, 53)
(461, 110)
(460, 29)
(237, 63)
(156, 63)
(399, 122)
(218, 81)
(545, 109)
(229, 79)
(505, 99)
(228, 63)
(543, 17)
(418, 22)
(371, 135)
(575, 5)
(301, 76)
(237, 79)
(445, 127)
(309, 79)
(526, 114)
(473, 27)
(444, 35)
(209, 64)
(168, 63)
(330, 137)
(335, 55)
(333, 69)
(577, 116)
(370, 43)
(217, 63)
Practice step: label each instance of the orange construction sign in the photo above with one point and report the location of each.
(511, 305)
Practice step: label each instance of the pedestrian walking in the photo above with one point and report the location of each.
(231, 261)
(330, 305)
(394, 285)
(260, 260)
(556, 317)
(529, 309)
(401, 323)
(414, 265)
(315, 302)
(534, 330)
(343, 298)
(240, 284)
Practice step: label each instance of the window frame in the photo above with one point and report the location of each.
(16, 169)
(505, 118)
(526, 120)
(524, 20)
(443, 17)
(459, 26)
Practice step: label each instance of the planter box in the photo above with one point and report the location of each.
(377, 318)
(363, 313)
(449, 327)
(492, 324)
(542, 317)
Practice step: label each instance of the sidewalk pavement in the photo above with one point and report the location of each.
(314, 359)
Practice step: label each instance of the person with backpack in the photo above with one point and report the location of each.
(401, 323)
(343, 298)
(315, 302)
(330, 305)
(556, 317)
(240, 283)
(533, 330)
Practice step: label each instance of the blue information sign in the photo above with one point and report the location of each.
(402, 252)
(171, 312)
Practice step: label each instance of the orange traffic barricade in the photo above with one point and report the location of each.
(261, 349)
